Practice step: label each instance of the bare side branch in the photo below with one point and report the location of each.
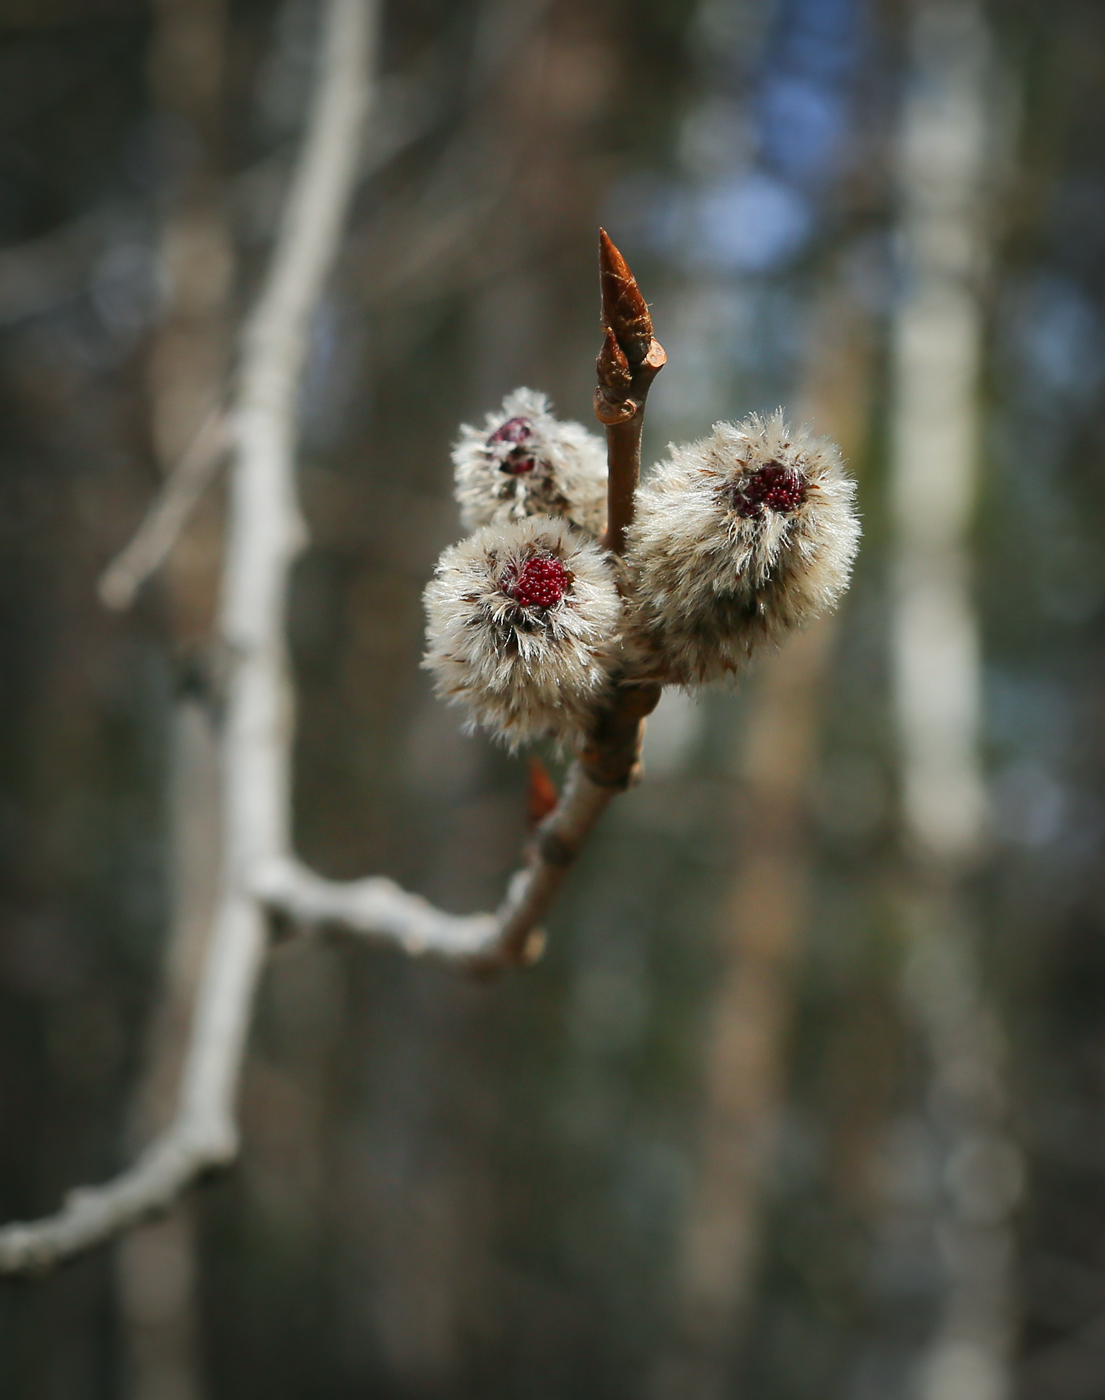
(374, 908)
(167, 516)
(92, 1214)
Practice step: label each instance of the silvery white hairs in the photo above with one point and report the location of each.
(525, 461)
(524, 622)
(739, 538)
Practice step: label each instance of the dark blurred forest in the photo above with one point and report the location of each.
(794, 1106)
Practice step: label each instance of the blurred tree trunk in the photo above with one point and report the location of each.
(188, 366)
(760, 922)
(947, 135)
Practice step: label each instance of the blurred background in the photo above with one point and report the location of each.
(807, 1098)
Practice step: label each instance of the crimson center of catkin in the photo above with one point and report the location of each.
(513, 430)
(518, 460)
(781, 488)
(540, 583)
(517, 463)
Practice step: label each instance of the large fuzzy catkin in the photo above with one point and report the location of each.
(738, 538)
(525, 461)
(522, 623)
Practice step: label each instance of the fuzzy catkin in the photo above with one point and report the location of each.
(525, 461)
(738, 538)
(522, 624)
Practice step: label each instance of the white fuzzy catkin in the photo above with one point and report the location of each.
(522, 623)
(738, 538)
(525, 461)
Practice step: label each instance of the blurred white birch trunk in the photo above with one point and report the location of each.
(937, 348)
(760, 924)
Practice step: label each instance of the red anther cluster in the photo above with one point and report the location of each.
(517, 464)
(781, 488)
(513, 430)
(518, 430)
(539, 583)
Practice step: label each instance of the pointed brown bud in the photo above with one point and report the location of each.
(613, 403)
(542, 796)
(613, 367)
(624, 309)
(628, 362)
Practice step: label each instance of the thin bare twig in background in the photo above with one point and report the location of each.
(160, 530)
(429, 234)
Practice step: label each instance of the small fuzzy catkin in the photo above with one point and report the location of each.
(738, 538)
(523, 621)
(524, 461)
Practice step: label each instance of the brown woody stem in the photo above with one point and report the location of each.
(556, 843)
(628, 362)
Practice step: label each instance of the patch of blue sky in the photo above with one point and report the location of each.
(802, 124)
(752, 223)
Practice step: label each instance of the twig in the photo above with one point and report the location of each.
(375, 908)
(182, 490)
(91, 1215)
(627, 364)
(378, 908)
(559, 839)
(168, 515)
(264, 535)
(555, 845)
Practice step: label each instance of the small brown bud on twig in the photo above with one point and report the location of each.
(613, 366)
(542, 797)
(613, 403)
(628, 362)
(630, 358)
(624, 309)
